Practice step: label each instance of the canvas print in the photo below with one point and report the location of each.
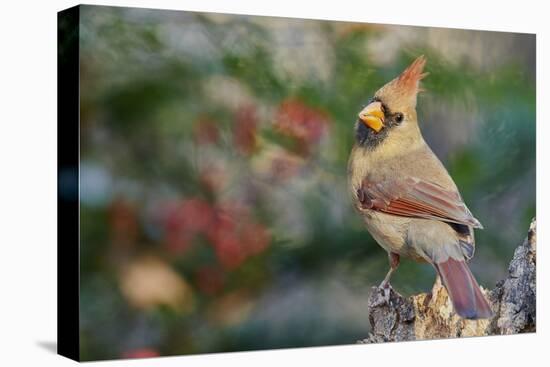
(235, 183)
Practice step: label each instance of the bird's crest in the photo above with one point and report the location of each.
(410, 78)
(402, 90)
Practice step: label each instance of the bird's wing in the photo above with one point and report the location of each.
(417, 198)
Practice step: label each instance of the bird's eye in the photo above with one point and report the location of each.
(399, 117)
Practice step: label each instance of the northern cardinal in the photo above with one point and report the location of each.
(409, 203)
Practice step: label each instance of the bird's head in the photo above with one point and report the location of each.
(391, 112)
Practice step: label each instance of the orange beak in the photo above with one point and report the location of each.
(373, 116)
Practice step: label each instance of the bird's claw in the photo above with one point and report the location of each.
(386, 290)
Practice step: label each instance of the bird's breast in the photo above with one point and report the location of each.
(388, 230)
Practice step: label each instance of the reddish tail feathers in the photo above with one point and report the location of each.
(468, 301)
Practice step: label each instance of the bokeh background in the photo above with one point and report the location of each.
(214, 211)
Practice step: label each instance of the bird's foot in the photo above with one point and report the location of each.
(386, 289)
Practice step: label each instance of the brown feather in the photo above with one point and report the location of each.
(411, 76)
(465, 294)
(412, 197)
(401, 92)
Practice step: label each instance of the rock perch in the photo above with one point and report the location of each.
(431, 316)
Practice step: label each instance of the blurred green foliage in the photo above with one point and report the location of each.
(214, 211)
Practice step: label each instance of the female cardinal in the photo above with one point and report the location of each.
(410, 204)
